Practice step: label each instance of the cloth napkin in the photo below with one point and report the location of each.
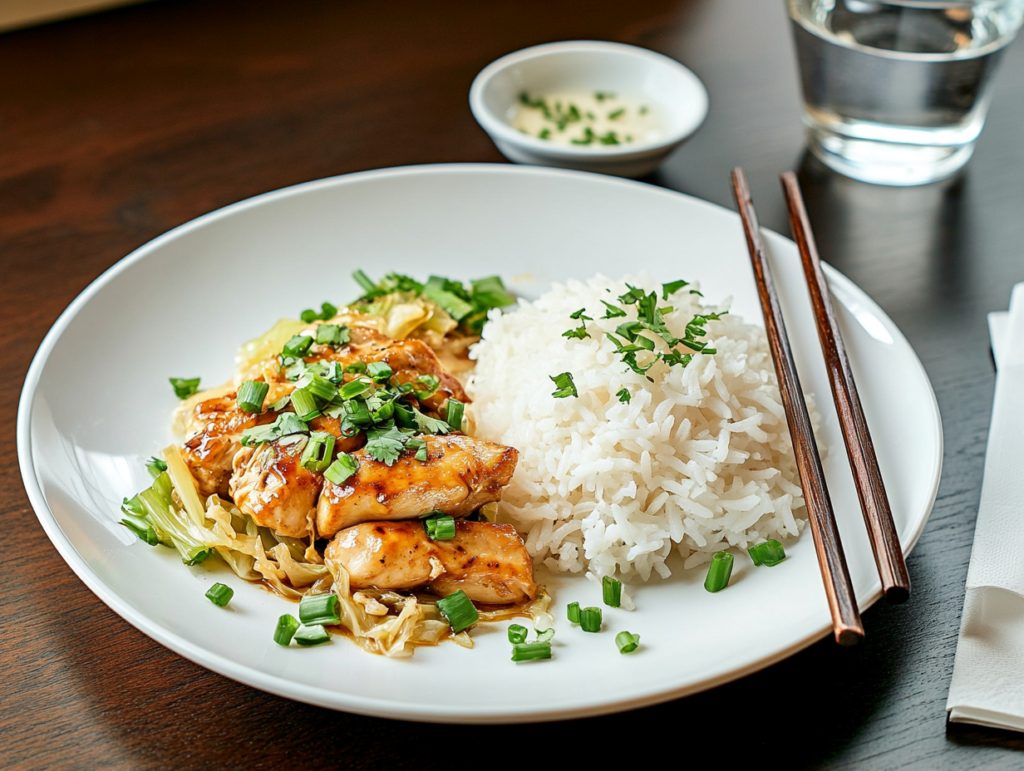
(988, 672)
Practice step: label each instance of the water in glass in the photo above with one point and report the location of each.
(896, 92)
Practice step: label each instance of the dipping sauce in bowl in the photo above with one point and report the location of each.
(593, 119)
(588, 105)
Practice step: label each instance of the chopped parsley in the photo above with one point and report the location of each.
(630, 337)
(564, 386)
(327, 311)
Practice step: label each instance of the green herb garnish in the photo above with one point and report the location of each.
(564, 386)
(185, 387)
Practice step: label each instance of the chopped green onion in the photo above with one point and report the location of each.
(624, 395)
(304, 404)
(590, 619)
(719, 572)
(517, 634)
(185, 387)
(440, 527)
(379, 371)
(459, 610)
(319, 609)
(770, 553)
(430, 384)
(612, 590)
(322, 388)
(573, 612)
(343, 467)
(612, 312)
(534, 651)
(318, 453)
(280, 404)
(544, 635)
(353, 388)
(627, 642)
(328, 334)
(251, 395)
(564, 384)
(156, 466)
(297, 346)
(141, 528)
(287, 625)
(313, 634)
(454, 416)
(616, 114)
(220, 594)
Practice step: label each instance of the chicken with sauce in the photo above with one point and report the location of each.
(335, 430)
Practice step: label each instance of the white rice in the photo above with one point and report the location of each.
(700, 460)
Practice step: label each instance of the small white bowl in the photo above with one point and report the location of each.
(677, 95)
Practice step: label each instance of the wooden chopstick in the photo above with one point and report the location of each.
(842, 603)
(892, 568)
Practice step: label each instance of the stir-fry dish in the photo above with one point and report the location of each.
(338, 468)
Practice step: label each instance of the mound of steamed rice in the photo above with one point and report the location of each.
(699, 460)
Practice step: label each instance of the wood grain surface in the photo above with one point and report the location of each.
(118, 126)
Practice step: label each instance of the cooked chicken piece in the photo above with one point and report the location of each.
(214, 430)
(408, 359)
(487, 561)
(271, 486)
(459, 476)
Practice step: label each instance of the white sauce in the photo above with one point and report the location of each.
(586, 119)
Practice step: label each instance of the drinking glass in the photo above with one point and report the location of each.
(895, 91)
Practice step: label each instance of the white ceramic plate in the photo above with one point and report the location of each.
(96, 404)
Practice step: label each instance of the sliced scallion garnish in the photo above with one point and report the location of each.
(343, 467)
(517, 634)
(328, 334)
(459, 610)
(185, 387)
(627, 642)
(311, 634)
(322, 388)
(251, 395)
(379, 371)
(590, 619)
(220, 594)
(544, 635)
(612, 590)
(297, 346)
(719, 571)
(534, 651)
(440, 527)
(454, 416)
(573, 612)
(304, 404)
(770, 553)
(286, 628)
(319, 609)
(318, 453)
(429, 384)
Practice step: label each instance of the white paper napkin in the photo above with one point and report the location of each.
(988, 672)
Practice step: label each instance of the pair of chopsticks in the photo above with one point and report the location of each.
(892, 568)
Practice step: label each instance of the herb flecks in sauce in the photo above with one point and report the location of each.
(583, 119)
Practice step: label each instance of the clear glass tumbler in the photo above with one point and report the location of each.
(895, 91)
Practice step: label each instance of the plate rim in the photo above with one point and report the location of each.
(282, 687)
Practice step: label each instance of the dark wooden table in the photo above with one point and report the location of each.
(116, 127)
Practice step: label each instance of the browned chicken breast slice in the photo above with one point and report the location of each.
(271, 486)
(215, 429)
(487, 561)
(459, 476)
